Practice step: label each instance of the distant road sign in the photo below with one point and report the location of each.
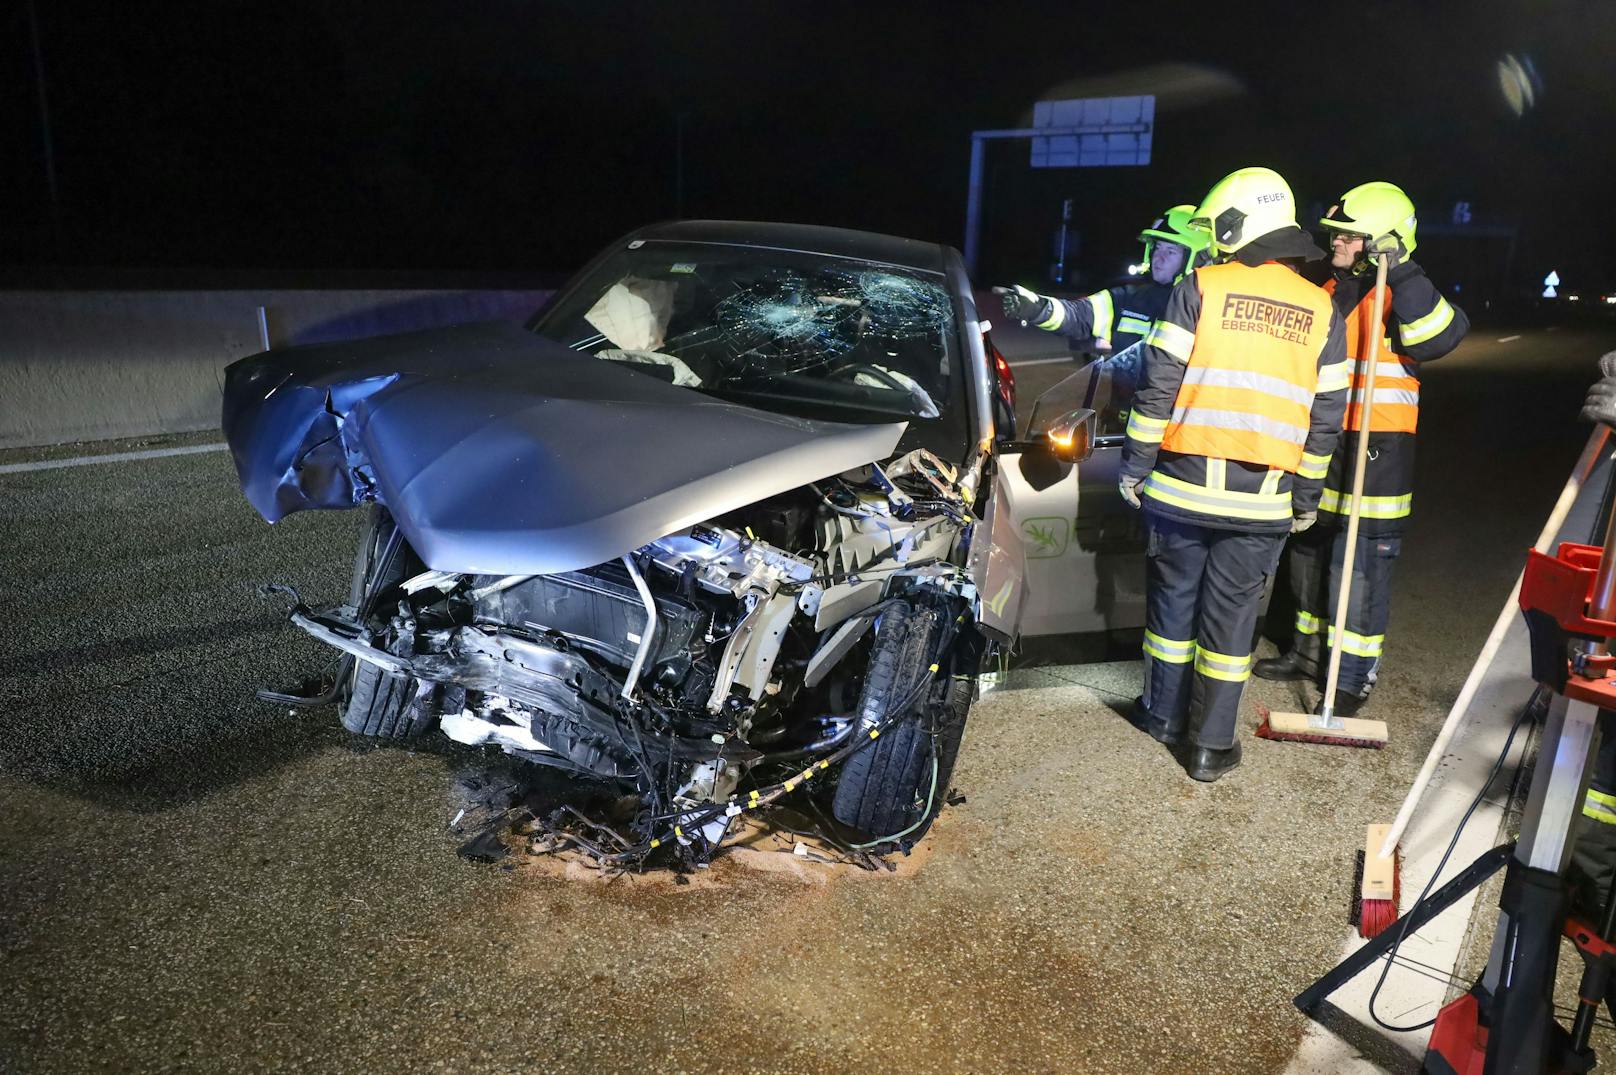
(1088, 132)
(1116, 131)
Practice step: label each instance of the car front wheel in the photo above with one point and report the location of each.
(380, 705)
(894, 787)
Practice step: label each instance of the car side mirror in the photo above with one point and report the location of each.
(1071, 436)
(1049, 455)
(1067, 439)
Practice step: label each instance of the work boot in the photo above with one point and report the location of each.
(1208, 763)
(1346, 705)
(1286, 668)
(1157, 729)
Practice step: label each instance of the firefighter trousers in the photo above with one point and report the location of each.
(1203, 587)
(1315, 559)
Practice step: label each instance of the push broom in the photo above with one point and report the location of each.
(1324, 726)
(1378, 889)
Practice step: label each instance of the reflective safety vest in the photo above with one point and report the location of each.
(1397, 381)
(1253, 368)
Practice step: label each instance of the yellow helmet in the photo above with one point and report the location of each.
(1244, 205)
(1379, 211)
(1174, 226)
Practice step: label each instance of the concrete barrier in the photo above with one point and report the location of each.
(96, 365)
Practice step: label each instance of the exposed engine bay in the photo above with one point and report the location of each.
(821, 641)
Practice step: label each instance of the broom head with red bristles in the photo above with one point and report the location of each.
(1380, 882)
(1306, 728)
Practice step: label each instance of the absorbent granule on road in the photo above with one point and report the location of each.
(498, 805)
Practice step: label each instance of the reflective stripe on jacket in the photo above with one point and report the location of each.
(1251, 366)
(1599, 806)
(1388, 495)
(1397, 378)
(1114, 319)
(1200, 486)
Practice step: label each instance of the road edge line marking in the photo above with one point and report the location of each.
(115, 457)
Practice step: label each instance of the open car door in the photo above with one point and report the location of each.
(1084, 546)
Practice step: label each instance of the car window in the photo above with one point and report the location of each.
(1112, 397)
(796, 332)
(1097, 387)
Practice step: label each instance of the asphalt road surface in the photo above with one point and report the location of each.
(191, 880)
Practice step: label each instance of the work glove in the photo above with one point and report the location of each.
(1129, 488)
(1607, 364)
(1302, 521)
(1600, 406)
(1023, 305)
(1387, 244)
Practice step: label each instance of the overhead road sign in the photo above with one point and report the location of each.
(1087, 132)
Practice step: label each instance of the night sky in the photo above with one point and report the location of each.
(522, 136)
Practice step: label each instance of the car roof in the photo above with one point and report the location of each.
(810, 238)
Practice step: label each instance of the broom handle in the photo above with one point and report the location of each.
(1562, 508)
(1366, 413)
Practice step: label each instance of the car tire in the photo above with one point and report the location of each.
(380, 705)
(888, 789)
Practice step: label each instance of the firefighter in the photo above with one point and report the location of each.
(1243, 386)
(1112, 321)
(1420, 326)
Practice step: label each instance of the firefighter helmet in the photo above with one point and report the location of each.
(1173, 226)
(1377, 211)
(1245, 205)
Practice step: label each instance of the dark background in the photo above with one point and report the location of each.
(521, 136)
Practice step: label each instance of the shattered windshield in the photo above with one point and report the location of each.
(802, 333)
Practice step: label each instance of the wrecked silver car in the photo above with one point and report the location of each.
(722, 525)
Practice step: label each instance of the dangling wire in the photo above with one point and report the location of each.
(1531, 707)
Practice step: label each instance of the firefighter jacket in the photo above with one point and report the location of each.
(1244, 383)
(1119, 316)
(1599, 801)
(1419, 326)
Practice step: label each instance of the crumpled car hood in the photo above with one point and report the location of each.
(500, 452)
